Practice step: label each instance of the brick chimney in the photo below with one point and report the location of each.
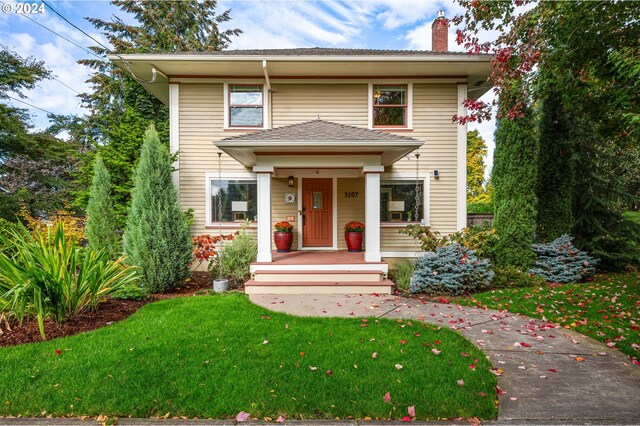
(440, 33)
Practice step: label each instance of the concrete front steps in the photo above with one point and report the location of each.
(309, 274)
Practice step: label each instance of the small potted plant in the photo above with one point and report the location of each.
(283, 236)
(353, 233)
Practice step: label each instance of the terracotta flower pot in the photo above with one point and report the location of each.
(283, 241)
(354, 240)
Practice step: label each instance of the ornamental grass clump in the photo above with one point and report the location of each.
(561, 262)
(50, 275)
(452, 269)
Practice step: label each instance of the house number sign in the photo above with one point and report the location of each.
(350, 195)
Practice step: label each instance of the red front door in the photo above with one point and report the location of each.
(317, 210)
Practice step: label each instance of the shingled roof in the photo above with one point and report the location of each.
(319, 130)
(324, 51)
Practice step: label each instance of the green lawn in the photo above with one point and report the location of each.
(214, 356)
(607, 308)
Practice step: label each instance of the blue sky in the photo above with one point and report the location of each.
(375, 24)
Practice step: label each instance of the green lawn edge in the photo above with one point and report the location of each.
(214, 356)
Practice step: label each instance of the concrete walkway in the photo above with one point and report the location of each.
(543, 380)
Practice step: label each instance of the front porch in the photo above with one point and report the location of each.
(319, 272)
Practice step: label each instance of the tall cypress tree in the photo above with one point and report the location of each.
(101, 222)
(157, 236)
(556, 170)
(514, 179)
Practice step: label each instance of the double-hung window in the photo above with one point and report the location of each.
(246, 105)
(233, 200)
(390, 105)
(398, 201)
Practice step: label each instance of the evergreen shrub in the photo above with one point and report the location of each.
(452, 269)
(561, 262)
(157, 236)
(101, 221)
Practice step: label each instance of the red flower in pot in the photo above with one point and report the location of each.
(283, 236)
(353, 235)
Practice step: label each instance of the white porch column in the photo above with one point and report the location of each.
(372, 213)
(263, 174)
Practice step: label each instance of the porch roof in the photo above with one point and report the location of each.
(318, 137)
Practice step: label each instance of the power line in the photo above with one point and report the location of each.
(74, 25)
(27, 103)
(65, 85)
(62, 37)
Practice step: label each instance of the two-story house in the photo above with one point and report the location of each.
(319, 137)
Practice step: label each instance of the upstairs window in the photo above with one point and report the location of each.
(389, 106)
(246, 106)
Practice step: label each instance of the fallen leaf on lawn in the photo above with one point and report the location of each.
(406, 419)
(374, 355)
(412, 410)
(472, 367)
(398, 366)
(280, 419)
(387, 397)
(435, 351)
(460, 382)
(266, 342)
(501, 391)
(286, 327)
(242, 416)
(464, 354)
(302, 354)
(329, 372)
(58, 352)
(313, 368)
(403, 342)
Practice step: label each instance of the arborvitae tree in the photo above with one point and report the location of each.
(556, 171)
(157, 236)
(101, 223)
(514, 180)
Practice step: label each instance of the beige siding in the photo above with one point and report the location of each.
(280, 210)
(201, 123)
(433, 107)
(349, 208)
(342, 103)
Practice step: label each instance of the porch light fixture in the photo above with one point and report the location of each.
(290, 181)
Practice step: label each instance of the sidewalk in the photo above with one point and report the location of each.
(604, 388)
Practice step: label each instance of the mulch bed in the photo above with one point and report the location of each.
(107, 313)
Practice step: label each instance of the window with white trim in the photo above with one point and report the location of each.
(390, 105)
(398, 201)
(246, 105)
(238, 199)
